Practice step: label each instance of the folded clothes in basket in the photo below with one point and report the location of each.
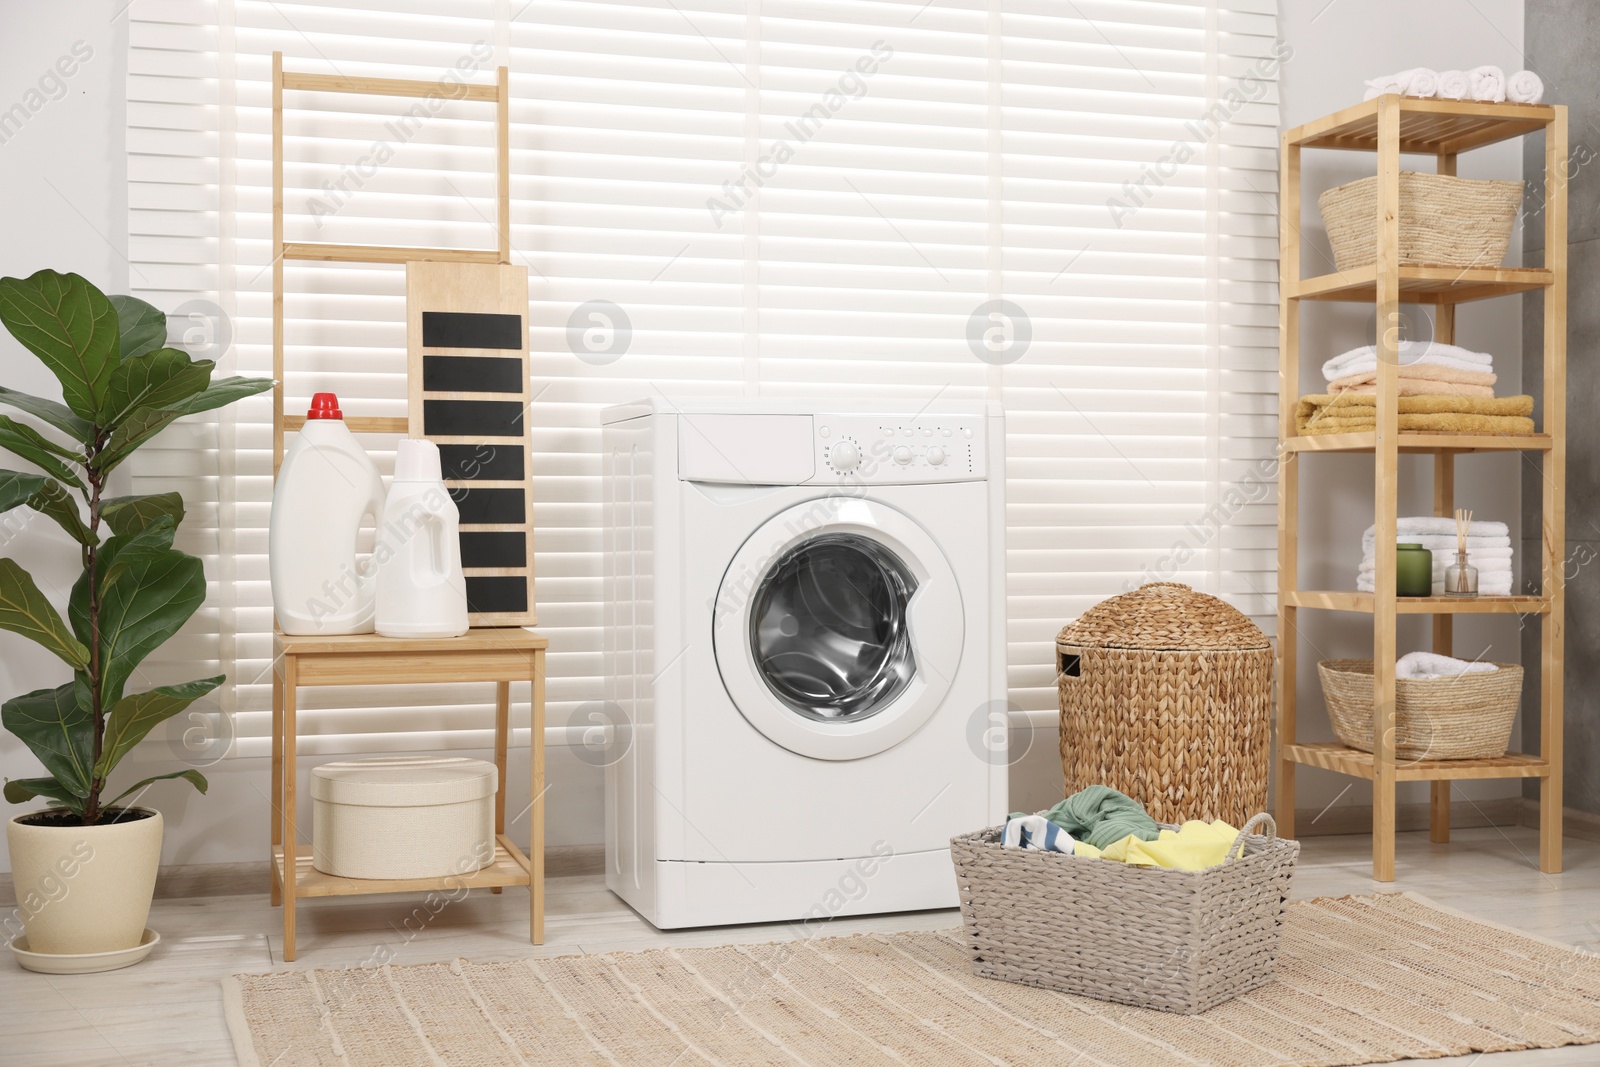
(1100, 815)
(1036, 832)
(1194, 846)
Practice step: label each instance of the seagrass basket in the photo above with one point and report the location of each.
(1466, 716)
(1166, 695)
(1178, 941)
(1445, 221)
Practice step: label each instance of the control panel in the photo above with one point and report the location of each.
(884, 449)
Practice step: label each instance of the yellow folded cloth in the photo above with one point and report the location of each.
(1411, 387)
(1193, 846)
(1319, 413)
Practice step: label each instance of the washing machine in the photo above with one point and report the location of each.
(804, 651)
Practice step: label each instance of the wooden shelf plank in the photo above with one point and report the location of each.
(1421, 442)
(478, 639)
(1343, 600)
(327, 253)
(310, 882)
(1424, 285)
(1431, 127)
(1331, 756)
(338, 83)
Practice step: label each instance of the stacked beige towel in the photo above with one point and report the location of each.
(1358, 412)
(1426, 368)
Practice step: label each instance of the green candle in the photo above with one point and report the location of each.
(1413, 570)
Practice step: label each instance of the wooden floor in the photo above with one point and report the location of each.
(168, 1010)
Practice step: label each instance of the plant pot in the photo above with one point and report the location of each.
(83, 889)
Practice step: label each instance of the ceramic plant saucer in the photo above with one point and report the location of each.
(82, 962)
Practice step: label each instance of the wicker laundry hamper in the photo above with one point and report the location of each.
(1445, 221)
(1465, 716)
(1178, 941)
(1166, 694)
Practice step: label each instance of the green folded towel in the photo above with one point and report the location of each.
(1102, 816)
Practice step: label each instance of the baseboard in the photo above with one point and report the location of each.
(236, 879)
(1357, 818)
(1574, 823)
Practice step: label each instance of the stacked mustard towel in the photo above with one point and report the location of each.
(1442, 389)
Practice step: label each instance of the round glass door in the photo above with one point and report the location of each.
(829, 630)
(845, 636)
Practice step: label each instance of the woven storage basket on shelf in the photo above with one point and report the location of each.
(1466, 716)
(1166, 694)
(1445, 221)
(1179, 941)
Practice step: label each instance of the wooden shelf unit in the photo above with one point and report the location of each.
(502, 656)
(1390, 126)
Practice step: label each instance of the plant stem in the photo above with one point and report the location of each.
(91, 811)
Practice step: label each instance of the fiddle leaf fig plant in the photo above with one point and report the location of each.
(121, 386)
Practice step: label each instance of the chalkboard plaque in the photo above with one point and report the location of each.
(467, 348)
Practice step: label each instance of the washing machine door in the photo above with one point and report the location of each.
(838, 628)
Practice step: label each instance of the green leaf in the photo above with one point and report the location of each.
(24, 610)
(129, 515)
(141, 327)
(57, 415)
(156, 535)
(22, 790)
(62, 506)
(71, 327)
(17, 488)
(145, 423)
(193, 777)
(58, 725)
(28, 443)
(135, 715)
(164, 378)
(146, 594)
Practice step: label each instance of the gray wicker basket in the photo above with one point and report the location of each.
(1177, 941)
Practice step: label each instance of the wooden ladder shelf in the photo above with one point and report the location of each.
(1391, 126)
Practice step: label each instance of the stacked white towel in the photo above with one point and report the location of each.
(1364, 360)
(1486, 83)
(1488, 549)
(1433, 665)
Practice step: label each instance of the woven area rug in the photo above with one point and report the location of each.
(1360, 980)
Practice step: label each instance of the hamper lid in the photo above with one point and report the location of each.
(403, 781)
(1164, 615)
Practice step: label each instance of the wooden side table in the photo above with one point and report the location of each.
(500, 655)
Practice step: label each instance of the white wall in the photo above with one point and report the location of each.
(1337, 43)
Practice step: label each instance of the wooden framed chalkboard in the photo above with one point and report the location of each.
(467, 380)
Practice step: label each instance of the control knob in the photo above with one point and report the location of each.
(903, 455)
(936, 456)
(844, 456)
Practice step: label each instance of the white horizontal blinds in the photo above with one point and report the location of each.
(797, 198)
(1140, 244)
(173, 108)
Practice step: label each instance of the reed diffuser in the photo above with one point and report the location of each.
(1461, 577)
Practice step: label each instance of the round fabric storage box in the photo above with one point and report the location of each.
(403, 817)
(1166, 694)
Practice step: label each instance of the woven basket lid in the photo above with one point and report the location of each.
(1164, 615)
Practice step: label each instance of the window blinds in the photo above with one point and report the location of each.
(1066, 207)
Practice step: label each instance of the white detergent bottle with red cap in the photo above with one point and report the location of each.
(421, 591)
(328, 491)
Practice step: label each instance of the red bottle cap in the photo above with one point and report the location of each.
(324, 406)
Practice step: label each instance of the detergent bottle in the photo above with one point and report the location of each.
(421, 590)
(327, 492)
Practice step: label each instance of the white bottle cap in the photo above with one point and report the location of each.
(417, 461)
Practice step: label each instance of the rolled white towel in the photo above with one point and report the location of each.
(1486, 567)
(1453, 85)
(1525, 87)
(1388, 83)
(1488, 83)
(1422, 81)
(1411, 353)
(1444, 526)
(1433, 665)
